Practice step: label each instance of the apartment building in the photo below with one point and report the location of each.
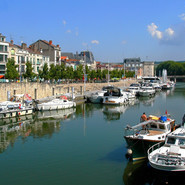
(22, 54)
(4, 48)
(140, 68)
(48, 49)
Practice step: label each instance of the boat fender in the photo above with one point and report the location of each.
(19, 106)
(129, 151)
(129, 154)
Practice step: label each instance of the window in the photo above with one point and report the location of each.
(1, 47)
(161, 126)
(2, 67)
(22, 68)
(1, 58)
(12, 51)
(153, 125)
(171, 140)
(181, 141)
(6, 48)
(6, 58)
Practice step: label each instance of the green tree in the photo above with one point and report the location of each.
(52, 72)
(92, 74)
(173, 68)
(29, 71)
(63, 71)
(99, 74)
(69, 73)
(11, 71)
(45, 72)
(57, 72)
(79, 72)
(104, 73)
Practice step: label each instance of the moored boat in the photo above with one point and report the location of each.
(10, 109)
(145, 134)
(56, 104)
(171, 155)
(114, 97)
(146, 91)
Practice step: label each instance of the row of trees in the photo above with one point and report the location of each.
(62, 72)
(173, 68)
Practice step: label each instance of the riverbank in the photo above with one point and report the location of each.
(42, 90)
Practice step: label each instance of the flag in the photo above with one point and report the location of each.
(166, 112)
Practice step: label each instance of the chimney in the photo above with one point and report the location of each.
(24, 46)
(57, 46)
(50, 42)
(11, 42)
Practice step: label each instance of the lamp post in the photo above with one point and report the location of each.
(84, 71)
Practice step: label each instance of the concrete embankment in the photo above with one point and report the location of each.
(42, 90)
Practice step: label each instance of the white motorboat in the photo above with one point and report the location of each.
(171, 155)
(10, 109)
(97, 97)
(129, 95)
(142, 136)
(114, 97)
(166, 86)
(56, 104)
(134, 89)
(146, 91)
(156, 86)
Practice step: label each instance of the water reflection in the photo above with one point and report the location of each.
(141, 173)
(37, 125)
(148, 101)
(113, 112)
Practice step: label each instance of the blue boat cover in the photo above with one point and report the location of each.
(163, 118)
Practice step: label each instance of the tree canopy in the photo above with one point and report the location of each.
(11, 71)
(29, 71)
(173, 68)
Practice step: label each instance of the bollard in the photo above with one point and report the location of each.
(8, 95)
(81, 90)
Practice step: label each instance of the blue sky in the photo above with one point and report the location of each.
(153, 30)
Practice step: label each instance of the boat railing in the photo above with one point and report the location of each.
(154, 147)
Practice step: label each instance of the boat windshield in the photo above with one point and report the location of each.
(171, 140)
(182, 141)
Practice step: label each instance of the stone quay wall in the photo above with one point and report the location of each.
(42, 90)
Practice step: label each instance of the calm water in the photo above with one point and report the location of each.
(83, 145)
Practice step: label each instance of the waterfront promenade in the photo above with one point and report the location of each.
(42, 90)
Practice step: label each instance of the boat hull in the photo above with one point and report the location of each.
(146, 93)
(139, 147)
(54, 106)
(176, 168)
(15, 113)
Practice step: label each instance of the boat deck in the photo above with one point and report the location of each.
(154, 132)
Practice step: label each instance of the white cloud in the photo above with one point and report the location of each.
(165, 37)
(152, 29)
(182, 16)
(64, 22)
(95, 42)
(169, 31)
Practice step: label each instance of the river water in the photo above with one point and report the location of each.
(82, 146)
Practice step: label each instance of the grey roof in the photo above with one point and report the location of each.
(69, 55)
